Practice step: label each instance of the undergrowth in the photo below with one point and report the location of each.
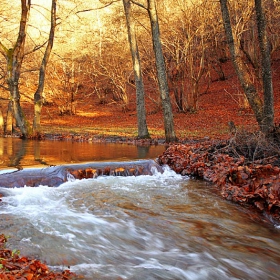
(254, 145)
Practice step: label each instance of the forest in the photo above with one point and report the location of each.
(201, 74)
(79, 60)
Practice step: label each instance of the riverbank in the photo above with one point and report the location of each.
(13, 266)
(254, 183)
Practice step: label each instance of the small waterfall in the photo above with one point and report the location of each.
(56, 175)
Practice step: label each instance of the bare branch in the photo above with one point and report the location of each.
(35, 7)
(5, 88)
(138, 4)
(36, 48)
(99, 8)
(3, 49)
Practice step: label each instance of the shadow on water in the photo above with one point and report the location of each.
(19, 153)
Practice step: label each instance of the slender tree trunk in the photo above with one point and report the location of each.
(2, 127)
(9, 119)
(17, 57)
(243, 75)
(140, 93)
(268, 110)
(161, 74)
(14, 57)
(38, 96)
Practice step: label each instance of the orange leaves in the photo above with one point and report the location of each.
(28, 276)
(256, 184)
(14, 267)
(3, 240)
(183, 159)
(84, 173)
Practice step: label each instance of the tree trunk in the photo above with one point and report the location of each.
(161, 74)
(140, 93)
(38, 96)
(268, 110)
(9, 119)
(19, 115)
(14, 57)
(2, 130)
(243, 75)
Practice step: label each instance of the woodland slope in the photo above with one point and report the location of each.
(222, 102)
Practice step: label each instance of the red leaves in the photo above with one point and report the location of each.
(14, 267)
(255, 184)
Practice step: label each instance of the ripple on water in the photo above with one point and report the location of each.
(147, 227)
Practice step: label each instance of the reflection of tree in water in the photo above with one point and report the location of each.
(16, 157)
(19, 151)
(37, 153)
(143, 151)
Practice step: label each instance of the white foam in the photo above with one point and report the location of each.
(144, 226)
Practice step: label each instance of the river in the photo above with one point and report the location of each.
(163, 226)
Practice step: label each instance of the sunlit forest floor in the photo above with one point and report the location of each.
(221, 103)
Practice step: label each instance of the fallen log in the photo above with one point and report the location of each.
(54, 176)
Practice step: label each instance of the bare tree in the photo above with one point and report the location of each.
(115, 70)
(14, 57)
(161, 70)
(268, 109)
(38, 97)
(161, 73)
(140, 93)
(186, 47)
(248, 86)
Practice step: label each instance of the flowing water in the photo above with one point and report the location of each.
(163, 226)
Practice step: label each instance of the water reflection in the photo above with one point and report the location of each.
(21, 153)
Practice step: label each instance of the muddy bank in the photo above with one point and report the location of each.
(254, 183)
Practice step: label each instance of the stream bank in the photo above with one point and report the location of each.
(255, 183)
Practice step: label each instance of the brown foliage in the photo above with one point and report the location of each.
(255, 183)
(13, 266)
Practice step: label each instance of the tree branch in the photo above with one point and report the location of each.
(5, 88)
(3, 49)
(36, 48)
(95, 9)
(138, 4)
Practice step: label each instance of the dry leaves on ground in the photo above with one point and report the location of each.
(15, 267)
(251, 183)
